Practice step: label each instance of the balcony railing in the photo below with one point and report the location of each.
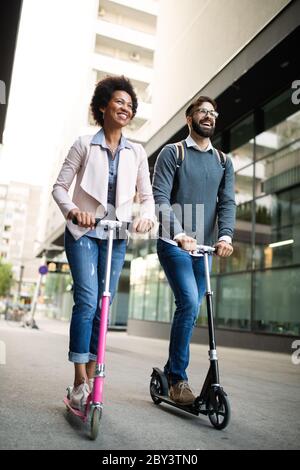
(113, 66)
(125, 34)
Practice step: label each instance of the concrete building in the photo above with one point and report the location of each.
(19, 204)
(125, 44)
(120, 39)
(240, 52)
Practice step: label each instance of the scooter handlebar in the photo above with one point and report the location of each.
(201, 249)
(105, 223)
(111, 223)
(75, 221)
(205, 249)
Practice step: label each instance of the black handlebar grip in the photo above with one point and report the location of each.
(75, 221)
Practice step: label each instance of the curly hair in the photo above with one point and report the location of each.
(103, 94)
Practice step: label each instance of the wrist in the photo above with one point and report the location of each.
(179, 236)
(225, 238)
(72, 212)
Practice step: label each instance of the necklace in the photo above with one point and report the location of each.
(113, 151)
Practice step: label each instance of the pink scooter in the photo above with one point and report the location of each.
(94, 406)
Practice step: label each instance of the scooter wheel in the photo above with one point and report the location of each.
(156, 388)
(218, 408)
(95, 422)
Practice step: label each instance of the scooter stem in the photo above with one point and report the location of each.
(210, 318)
(105, 301)
(207, 276)
(108, 261)
(213, 374)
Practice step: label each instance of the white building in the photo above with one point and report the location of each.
(125, 45)
(19, 204)
(117, 38)
(122, 42)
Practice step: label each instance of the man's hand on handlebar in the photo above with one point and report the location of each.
(223, 249)
(84, 219)
(186, 243)
(142, 225)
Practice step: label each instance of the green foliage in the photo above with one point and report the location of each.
(6, 278)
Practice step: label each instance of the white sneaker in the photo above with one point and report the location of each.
(79, 396)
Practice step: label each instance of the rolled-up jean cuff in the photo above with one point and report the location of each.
(79, 358)
(92, 357)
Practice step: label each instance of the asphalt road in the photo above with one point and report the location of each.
(264, 391)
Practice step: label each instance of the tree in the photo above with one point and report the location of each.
(6, 278)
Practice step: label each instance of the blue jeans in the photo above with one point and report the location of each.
(86, 258)
(186, 276)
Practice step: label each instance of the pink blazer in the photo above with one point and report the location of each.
(88, 162)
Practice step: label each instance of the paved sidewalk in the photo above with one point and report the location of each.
(263, 388)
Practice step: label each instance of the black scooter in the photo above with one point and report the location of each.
(212, 400)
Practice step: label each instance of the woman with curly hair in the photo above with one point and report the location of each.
(109, 169)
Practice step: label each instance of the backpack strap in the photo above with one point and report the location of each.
(221, 156)
(180, 152)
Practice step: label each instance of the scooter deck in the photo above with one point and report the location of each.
(75, 412)
(192, 409)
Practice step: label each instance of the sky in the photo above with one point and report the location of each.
(43, 66)
(50, 91)
(21, 157)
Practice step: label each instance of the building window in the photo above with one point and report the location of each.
(234, 301)
(256, 289)
(267, 236)
(276, 301)
(164, 300)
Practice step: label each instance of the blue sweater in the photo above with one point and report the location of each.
(194, 196)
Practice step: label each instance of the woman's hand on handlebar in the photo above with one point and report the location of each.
(84, 219)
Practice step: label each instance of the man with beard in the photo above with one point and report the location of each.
(201, 183)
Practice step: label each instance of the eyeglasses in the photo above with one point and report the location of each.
(204, 112)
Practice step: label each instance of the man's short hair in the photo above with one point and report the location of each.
(189, 110)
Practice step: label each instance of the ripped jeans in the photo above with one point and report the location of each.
(87, 257)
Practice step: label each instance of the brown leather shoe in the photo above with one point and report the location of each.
(181, 393)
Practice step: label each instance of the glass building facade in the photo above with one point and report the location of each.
(257, 288)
